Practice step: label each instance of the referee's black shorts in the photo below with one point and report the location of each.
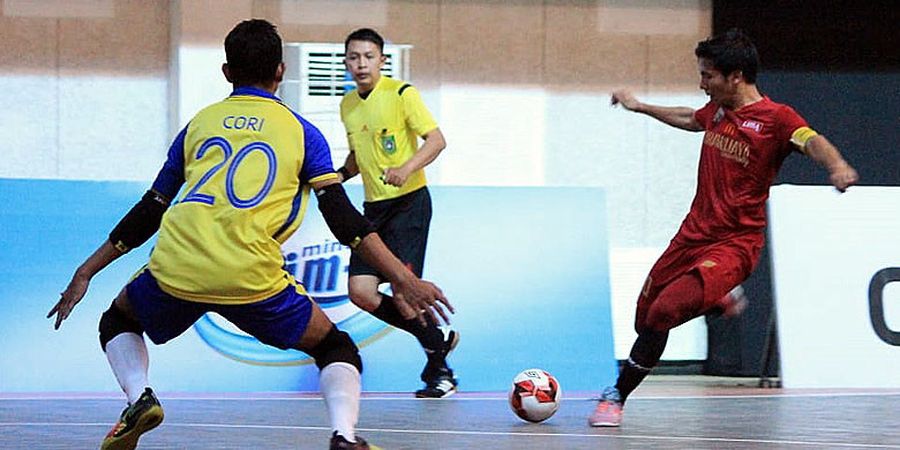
(403, 224)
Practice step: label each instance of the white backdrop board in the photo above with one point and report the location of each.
(837, 285)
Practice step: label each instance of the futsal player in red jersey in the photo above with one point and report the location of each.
(747, 137)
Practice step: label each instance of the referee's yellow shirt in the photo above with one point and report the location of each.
(383, 131)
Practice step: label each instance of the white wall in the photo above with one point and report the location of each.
(84, 89)
(83, 127)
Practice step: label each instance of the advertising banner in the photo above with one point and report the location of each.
(526, 268)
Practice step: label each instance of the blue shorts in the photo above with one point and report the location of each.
(278, 321)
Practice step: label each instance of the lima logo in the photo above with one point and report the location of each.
(322, 267)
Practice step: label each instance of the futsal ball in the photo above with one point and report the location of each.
(535, 395)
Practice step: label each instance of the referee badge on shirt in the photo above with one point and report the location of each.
(388, 143)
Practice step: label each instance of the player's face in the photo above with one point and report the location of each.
(364, 61)
(717, 86)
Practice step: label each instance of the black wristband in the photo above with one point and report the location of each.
(345, 174)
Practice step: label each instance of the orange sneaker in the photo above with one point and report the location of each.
(609, 409)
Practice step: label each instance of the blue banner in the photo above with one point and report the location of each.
(526, 268)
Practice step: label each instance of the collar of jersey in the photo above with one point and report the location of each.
(249, 90)
(369, 95)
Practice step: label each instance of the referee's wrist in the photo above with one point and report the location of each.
(345, 174)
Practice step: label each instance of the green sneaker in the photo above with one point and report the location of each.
(138, 418)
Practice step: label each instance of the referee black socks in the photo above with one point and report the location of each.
(431, 337)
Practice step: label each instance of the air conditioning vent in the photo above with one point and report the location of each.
(315, 80)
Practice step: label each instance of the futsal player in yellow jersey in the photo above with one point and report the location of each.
(384, 119)
(247, 164)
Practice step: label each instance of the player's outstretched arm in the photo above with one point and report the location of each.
(841, 174)
(138, 225)
(677, 116)
(78, 286)
(351, 228)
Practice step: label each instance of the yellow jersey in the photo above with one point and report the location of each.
(246, 163)
(383, 131)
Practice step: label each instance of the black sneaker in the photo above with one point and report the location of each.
(339, 443)
(138, 418)
(441, 386)
(438, 377)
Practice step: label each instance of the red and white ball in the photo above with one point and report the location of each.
(535, 395)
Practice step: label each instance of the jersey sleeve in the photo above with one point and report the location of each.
(171, 176)
(317, 163)
(793, 128)
(704, 115)
(417, 116)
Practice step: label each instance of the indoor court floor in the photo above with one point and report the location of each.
(666, 412)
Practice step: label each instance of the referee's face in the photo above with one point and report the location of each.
(364, 61)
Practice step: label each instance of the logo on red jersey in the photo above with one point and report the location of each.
(752, 124)
(728, 146)
(720, 113)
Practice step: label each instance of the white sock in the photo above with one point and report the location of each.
(127, 356)
(340, 386)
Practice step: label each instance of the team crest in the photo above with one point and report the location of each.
(389, 144)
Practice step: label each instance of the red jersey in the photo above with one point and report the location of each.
(741, 154)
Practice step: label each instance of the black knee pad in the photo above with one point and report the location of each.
(336, 347)
(113, 322)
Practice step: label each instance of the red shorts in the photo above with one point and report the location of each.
(721, 265)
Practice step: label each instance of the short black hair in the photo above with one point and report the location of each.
(253, 52)
(365, 34)
(731, 51)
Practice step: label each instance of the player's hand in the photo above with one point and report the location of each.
(69, 298)
(843, 176)
(625, 98)
(425, 299)
(395, 176)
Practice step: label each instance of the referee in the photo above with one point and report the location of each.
(384, 119)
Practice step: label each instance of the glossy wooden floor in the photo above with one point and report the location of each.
(667, 412)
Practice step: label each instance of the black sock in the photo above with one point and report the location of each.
(645, 354)
(431, 337)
